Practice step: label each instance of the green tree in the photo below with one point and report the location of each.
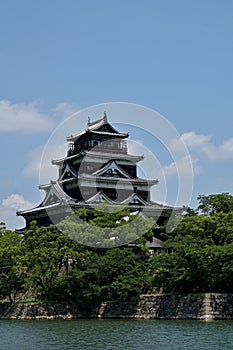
(215, 203)
(123, 274)
(109, 227)
(200, 255)
(169, 273)
(11, 277)
(47, 255)
(113, 274)
(204, 230)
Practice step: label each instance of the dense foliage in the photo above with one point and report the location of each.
(45, 264)
(199, 256)
(109, 227)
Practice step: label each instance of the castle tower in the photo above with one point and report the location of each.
(96, 169)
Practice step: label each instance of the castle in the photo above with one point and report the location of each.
(97, 168)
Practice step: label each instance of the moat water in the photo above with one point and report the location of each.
(115, 335)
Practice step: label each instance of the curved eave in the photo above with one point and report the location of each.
(73, 138)
(102, 155)
(165, 206)
(103, 179)
(148, 209)
(61, 160)
(94, 126)
(37, 209)
(76, 136)
(45, 187)
(107, 133)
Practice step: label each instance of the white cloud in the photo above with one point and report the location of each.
(8, 209)
(16, 202)
(182, 167)
(28, 118)
(23, 117)
(38, 161)
(202, 145)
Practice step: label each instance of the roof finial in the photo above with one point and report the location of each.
(88, 121)
(105, 116)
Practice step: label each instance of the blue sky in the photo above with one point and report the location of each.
(58, 57)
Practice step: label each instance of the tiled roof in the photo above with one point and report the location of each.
(94, 126)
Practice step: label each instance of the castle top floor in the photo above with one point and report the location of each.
(99, 136)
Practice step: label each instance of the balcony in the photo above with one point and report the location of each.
(109, 146)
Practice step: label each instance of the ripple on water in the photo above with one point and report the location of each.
(115, 335)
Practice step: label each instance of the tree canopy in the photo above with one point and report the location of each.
(45, 264)
(215, 203)
(109, 227)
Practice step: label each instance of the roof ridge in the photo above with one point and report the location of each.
(89, 123)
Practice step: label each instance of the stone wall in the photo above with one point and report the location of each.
(190, 306)
(221, 306)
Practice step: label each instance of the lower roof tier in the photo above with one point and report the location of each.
(58, 211)
(87, 179)
(57, 205)
(56, 196)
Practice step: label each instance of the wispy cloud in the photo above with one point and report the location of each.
(25, 118)
(28, 117)
(155, 166)
(22, 117)
(182, 167)
(203, 145)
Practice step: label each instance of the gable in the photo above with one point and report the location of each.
(99, 197)
(67, 172)
(107, 128)
(135, 199)
(51, 199)
(112, 169)
(54, 195)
